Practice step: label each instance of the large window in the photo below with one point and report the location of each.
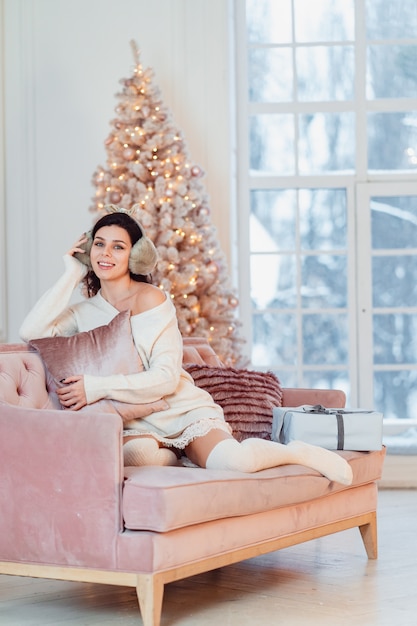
(328, 195)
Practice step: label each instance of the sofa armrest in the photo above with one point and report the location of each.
(326, 397)
(60, 488)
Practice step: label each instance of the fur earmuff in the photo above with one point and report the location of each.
(143, 257)
(84, 257)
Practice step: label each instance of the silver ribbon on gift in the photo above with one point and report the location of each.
(339, 414)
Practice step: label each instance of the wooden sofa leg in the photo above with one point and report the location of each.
(150, 592)
(369, 536)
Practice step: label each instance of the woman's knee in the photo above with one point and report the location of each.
(231, 455)
(146, 451)
(199, 450)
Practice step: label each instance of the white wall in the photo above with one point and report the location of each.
(63, 60)
(2, 207)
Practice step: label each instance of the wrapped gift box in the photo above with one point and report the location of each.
(334, 429)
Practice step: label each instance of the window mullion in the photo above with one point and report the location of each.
(360, 91)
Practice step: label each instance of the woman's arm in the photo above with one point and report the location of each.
(50, 316)
(159, 344)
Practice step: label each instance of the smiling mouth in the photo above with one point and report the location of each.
(104, 264)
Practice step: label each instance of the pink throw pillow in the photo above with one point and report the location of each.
(103, 351)
(247, 397)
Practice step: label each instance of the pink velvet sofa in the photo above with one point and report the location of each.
(69, 509)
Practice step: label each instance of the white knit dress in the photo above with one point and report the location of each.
(192, 411)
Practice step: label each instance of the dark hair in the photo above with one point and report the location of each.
(90, 282)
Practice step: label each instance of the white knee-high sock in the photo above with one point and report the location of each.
(145, 451)
(252, 455)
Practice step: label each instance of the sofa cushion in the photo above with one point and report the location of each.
(103, 351)
(166, 498)
(198, 350)
(247, 397)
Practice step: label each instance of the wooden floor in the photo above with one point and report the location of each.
(326, 582)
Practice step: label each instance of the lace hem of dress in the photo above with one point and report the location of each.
(198, 429)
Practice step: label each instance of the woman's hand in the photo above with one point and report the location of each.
(72, 395)
(78, 246)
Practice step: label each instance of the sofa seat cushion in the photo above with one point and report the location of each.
(166, 498)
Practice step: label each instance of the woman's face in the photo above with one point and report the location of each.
(110, 252)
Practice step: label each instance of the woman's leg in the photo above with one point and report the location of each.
(146, 451)
(199, 449)
(218, 450)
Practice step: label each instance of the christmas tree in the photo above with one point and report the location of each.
(148, 165)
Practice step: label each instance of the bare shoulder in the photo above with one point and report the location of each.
(147, 297)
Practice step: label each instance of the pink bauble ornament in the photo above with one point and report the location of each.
(115, 197)
(196, 171)
(128, 154)
(212, 267)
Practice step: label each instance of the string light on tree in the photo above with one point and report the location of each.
(148, 164)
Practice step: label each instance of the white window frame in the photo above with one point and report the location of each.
(358, 186)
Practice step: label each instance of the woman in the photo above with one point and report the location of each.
(114, 261)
